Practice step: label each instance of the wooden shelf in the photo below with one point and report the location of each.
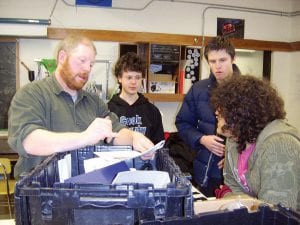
(164, 97)
(163, 38)
(125, 36)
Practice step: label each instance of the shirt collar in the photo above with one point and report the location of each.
(57, 88)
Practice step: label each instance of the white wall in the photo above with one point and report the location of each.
(160, 16)
(294, 27)
(287, 79)
(179, 17)
(250, 62)
(293, 107)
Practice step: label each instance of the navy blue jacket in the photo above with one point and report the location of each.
(195, 119)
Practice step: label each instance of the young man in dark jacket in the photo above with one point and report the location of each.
(196, 120)
(133, 109)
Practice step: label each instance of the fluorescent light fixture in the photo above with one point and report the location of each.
(25, 21)
(245, 50)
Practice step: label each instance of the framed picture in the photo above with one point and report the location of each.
(102, 3)
(233, 28)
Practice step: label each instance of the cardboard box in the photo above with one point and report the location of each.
(227, 204)
(160, 77)
(162, 87)
(161, 83)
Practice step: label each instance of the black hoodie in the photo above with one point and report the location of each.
(141, 116)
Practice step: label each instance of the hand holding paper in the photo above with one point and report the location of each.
(141, 143)
(117, 156)
(153, 149)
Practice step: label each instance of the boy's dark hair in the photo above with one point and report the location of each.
(129, 62)
(219, 43)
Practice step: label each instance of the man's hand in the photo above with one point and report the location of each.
(141, 143)
(212, 143)
(99, 129)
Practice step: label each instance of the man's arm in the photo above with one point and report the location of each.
(43, 142)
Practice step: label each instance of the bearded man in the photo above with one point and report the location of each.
(56, 115)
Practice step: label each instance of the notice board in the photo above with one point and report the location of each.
(8, 57)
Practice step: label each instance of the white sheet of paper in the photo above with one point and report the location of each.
(111, 157)
(159, 145)
(98, 163)
(159, 179)
(124, 155)
(121, 155)
(64, 168)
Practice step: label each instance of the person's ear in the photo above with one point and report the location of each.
(119, 79)
(233, 59)
(62, 56)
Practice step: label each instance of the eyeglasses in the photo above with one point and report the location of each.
(130, 78)
(82, 61)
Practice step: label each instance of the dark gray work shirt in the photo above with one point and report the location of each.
(45, 105)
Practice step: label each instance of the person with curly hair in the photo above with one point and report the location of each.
(132, 108)
(196, 121)
(262, 156)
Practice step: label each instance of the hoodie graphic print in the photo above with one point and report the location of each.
(142, 116)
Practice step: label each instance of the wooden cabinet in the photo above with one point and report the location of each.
(162, 63)
(163, 69)
(164, 97)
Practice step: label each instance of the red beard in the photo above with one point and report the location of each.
(69, 77)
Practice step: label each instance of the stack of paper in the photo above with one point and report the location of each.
(159, 179)
(108, 158)
(105, 167)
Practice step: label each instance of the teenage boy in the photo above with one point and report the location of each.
(196, 120)
(133, 109)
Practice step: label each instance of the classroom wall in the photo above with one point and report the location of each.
(294, 27)
(287, 80)
(159, 16)
(178, 17)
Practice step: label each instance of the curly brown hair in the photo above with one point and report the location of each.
(247, 105)
(129, 62)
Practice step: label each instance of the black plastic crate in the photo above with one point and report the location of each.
(41, 199)
(263, 216)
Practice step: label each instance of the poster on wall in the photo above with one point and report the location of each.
(232, 28)
(192, 54)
